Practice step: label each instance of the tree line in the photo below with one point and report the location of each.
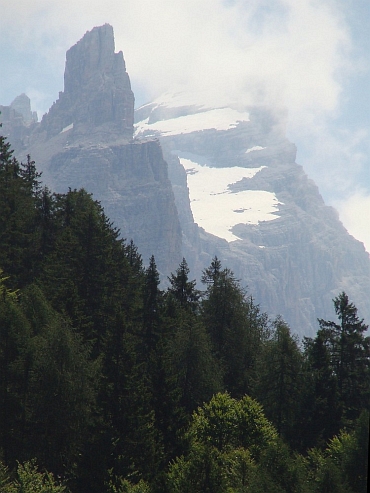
(111, 384)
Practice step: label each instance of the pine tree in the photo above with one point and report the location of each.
(349, 351)
(235, 325)
(181, 289)
(279, 383)
(197, 373)
(321, 410)
(18, 229)
(152, 301)
(61, 387)
(15, 336)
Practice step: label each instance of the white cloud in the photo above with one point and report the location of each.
(281, 50)
(355, 214)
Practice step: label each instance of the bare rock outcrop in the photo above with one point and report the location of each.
(97, 88)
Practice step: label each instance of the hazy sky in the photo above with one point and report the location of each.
(313, 56)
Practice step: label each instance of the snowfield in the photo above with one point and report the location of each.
(216, 208)
(218, 119)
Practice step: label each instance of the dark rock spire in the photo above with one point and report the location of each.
(97, 88)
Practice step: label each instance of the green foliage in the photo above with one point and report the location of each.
(342, 466)
(280, 471)
(193, 364)
(349, 351)
(152, 304)
(226, 422)
(121, 485)
(206, 469)
(50, 380)
(15, 336)
(320, 414)
(226, 436)
(350, 453)
(235, 325)
(18, 206)
(181, 289)
(279, 381)
(28, 479)
(4, 291)
(5, 480)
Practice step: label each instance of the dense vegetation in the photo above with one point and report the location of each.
(109, 384)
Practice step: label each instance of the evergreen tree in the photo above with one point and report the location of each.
(183, 290)
(30, 176)
(18, 231)
(15, 336)
(152, 301)
(61, 388)
(279, 383)
(321, 411)
(87, 273)
(197, 373)
(235, 325)
(349, 351)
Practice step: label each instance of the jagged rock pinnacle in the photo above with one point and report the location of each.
(22, 105)
(97, 87)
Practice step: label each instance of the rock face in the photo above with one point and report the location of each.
(22, 105)
(97, 88)
(256, 209)
(132, 184)
(86, 141)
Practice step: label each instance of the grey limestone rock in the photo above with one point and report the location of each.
(22, 105)
(97, 88)
(86, 141)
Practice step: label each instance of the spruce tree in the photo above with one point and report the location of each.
(152, 301)
(279, 383)
(349, 350)
(18, 226)
(321, 411)
(235, 326)
(181, 289)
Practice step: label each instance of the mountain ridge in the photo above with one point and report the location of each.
(294, 263)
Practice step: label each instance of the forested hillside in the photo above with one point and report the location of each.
(110, 384)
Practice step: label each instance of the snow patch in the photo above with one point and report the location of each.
(218, 119)
(68, 127)
(255, 148)
(216, 208)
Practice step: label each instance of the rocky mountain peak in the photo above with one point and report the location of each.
(97, 89)
(22, 105)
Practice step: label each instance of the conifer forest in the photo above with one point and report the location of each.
(111, 384)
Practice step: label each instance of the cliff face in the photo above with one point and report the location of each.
(234, 174)
(131, 183)
(86, 141)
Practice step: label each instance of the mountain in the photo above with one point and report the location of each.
(234, 171)
(196, 179)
